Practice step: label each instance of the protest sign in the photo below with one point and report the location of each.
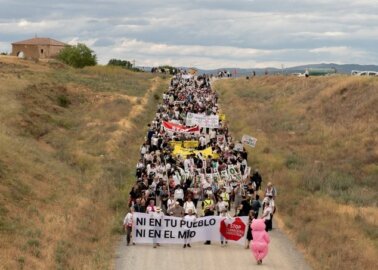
(216, 177)
(222, 117)
(221, 139)
(234, 174)
(209, 178)
(251, 141)
(172, 127)
(204, 121)
(173, 230)
(224, 175)
(233, 229)
(238, 147)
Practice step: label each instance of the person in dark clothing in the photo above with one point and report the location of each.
(138, 207)
(256, 177)
(246, 207)
(134, 194)
(150, 133)
(256, 205)
(251, 217)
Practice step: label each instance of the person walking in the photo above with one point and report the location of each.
(224, 214)
(251, 217)
(225, 196)
(270, 190)
(196, 192)
(128, 225)
(189, 218)
(260, 241)
(177, 210)
(179, 194)
(221, 205)
(208, 209)
(267, 216)
(189, 205)
(138, 206)
(256, 205)
(157, 215)
(151, 207)
(256, 177)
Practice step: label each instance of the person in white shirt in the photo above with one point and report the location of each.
(170, 203)
(226, 215)
(269, 201)
(158, 215)
(221, 205)
(267, 212)
(189, 206)
(179, 194)
(128, 225)
(187, 164)
(189, 218)
(143, 150)
(154, 142)
(202, 142)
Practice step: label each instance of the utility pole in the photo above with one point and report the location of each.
(134, 63)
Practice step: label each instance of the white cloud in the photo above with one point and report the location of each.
(207, 33)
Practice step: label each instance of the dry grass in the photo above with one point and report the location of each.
(68, 149)
(317, 142)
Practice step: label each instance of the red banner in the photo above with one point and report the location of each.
(180, 128)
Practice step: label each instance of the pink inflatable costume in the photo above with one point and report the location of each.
(261, 239)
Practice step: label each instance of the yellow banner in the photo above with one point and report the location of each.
(174, 143)
(178, 150)
(191, 144)
(222, 117)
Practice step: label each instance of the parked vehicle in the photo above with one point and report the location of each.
(364, 73)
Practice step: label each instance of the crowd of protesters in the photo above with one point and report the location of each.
(168, 183)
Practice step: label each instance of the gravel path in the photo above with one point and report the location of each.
(282, 255)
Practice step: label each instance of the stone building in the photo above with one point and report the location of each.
(37, 48)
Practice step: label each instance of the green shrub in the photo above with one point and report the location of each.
(78, 56)
(63, 101)
(293, 161)
(120, 63)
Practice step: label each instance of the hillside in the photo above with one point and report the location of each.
(317, 143)
(340, 68)
(69, 141)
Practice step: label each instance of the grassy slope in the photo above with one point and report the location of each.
(317, 142)
(69, 143)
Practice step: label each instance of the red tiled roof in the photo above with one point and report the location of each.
(40, 41)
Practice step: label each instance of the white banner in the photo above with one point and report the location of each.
(204, 121)
(155, 228)
(187, 76)
(249, 140)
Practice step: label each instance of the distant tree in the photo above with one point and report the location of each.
(78, 56)
(120, 63)
(3, 53)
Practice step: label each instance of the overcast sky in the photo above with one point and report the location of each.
(203, 33)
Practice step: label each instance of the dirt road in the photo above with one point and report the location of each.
(282, 255)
